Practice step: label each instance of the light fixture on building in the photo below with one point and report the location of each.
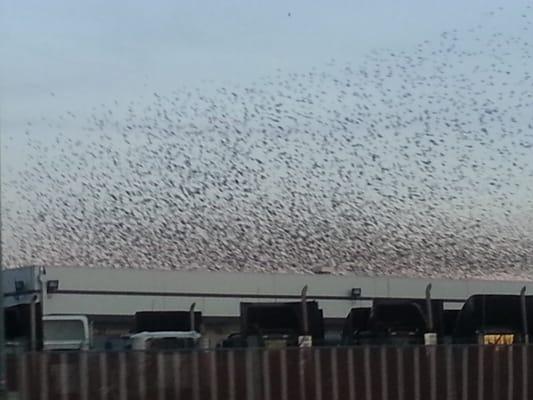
(52, 286)
(355, 293)
(19, 286)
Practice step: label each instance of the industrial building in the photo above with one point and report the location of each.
(111, 297)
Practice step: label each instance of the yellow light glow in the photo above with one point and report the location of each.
(497, 339)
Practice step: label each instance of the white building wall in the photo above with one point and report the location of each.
(218, 294)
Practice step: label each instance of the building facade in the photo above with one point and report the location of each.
(111, 297)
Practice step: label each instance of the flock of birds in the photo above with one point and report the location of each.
(414, 163)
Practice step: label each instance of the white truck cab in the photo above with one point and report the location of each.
(66, 332)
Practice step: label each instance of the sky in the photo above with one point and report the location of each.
(59, 56)
(62, 55)
(62, 58)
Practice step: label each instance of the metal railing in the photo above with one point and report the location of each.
(446, 372)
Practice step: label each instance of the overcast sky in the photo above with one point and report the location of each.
(59, 55)
(62, 56)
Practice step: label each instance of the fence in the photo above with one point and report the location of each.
(334, 373)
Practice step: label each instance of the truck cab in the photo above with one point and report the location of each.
(167, 330)
(66, 332)
(492, 319)
(391, 321)
(278, 325)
